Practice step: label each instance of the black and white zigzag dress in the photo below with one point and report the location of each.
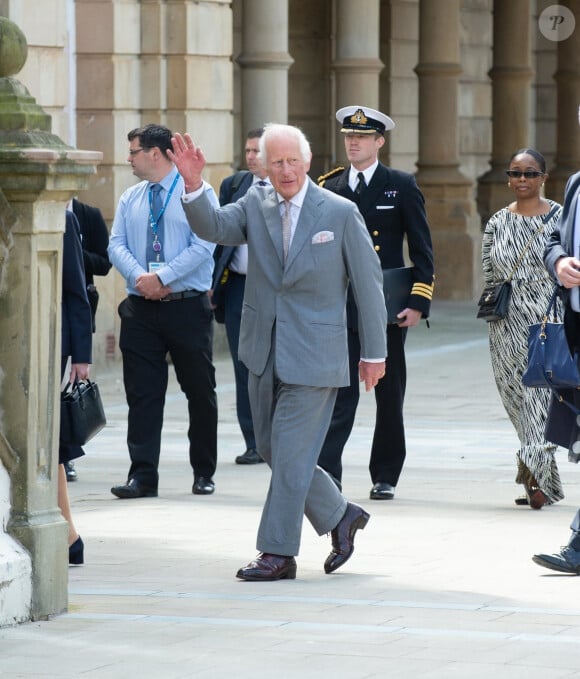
(506, 235)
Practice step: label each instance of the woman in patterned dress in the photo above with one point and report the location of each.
(529, 219)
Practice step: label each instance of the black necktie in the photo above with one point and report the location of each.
(361, 186)
(261, 183)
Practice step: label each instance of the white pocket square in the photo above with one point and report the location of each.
(322, 237)
(385, 207)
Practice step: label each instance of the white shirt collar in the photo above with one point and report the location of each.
(368, 174)
(298, 199)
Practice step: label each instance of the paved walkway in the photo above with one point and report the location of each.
(441, 583)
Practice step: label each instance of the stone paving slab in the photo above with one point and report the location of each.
(441, 583)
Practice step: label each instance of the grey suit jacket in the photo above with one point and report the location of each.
(306, 300)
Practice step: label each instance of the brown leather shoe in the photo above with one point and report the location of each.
(537, 498)
(269, 567)
(354, 518)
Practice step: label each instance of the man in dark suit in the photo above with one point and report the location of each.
(562, 259)
(95, 240)
(305, 245)
(229, 282)
(393, 209)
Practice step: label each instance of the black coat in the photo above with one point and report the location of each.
(231, 189)
(95, 240)
(393, 208)
(76, 329)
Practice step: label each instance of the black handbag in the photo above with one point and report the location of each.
(550, 363)
(81, 413)
(494, 301)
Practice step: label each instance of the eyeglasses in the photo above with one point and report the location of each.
(291, 162)
(528, 174)
(134, 152)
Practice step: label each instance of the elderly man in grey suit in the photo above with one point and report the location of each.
(562, 259)
(304, 247)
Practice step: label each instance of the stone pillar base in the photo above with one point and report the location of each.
(15, 570)
(15, 583)
(45, 536)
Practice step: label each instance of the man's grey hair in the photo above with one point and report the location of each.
(273, 130)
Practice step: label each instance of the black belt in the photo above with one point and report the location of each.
(186, 294)
(172, 296)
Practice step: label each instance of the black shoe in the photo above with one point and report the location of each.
(382, 491)
(269, 567)
(355, 518)
(203, 486)
(71, 472)
(133, 489)
(567, 561)
(251, 456)
(76, 552)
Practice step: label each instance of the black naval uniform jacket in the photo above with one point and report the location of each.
(393, 207)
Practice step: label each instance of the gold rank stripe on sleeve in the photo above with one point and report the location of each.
(328, 175)
(423, 290)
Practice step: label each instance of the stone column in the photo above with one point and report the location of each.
(264, 61)
(38, 175)
(567, 78)
(356, 64)
(450, 207)
(108, 93)
(199, 78)
(511, 77)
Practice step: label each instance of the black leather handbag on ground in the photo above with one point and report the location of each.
(81, 413)
(550, 363)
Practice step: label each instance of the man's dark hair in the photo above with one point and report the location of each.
(256, 133)
(152, 135)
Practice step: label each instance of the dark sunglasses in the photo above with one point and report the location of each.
(531, 174)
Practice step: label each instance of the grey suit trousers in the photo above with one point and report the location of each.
(290, 423)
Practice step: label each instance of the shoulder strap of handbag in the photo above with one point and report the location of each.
(523, 252)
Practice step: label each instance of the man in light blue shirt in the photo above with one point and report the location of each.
(168, 273)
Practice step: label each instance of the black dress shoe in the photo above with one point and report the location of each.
(71, 472)
(251, 456)
(567, 561)
(76, 552)
(203, 486)
(133, 489)
(382, 491)
(269, 567)
(342, 536)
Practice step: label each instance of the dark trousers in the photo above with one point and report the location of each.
(184, 330)
(388, 449)
(233, 301)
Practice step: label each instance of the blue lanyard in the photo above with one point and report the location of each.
(154, 221)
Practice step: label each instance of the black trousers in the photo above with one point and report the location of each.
(184, 330)
(233, 302)
(388, 449)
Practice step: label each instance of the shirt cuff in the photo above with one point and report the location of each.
(188, 197)
(372, 360)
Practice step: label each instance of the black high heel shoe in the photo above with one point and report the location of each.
(76, 552)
